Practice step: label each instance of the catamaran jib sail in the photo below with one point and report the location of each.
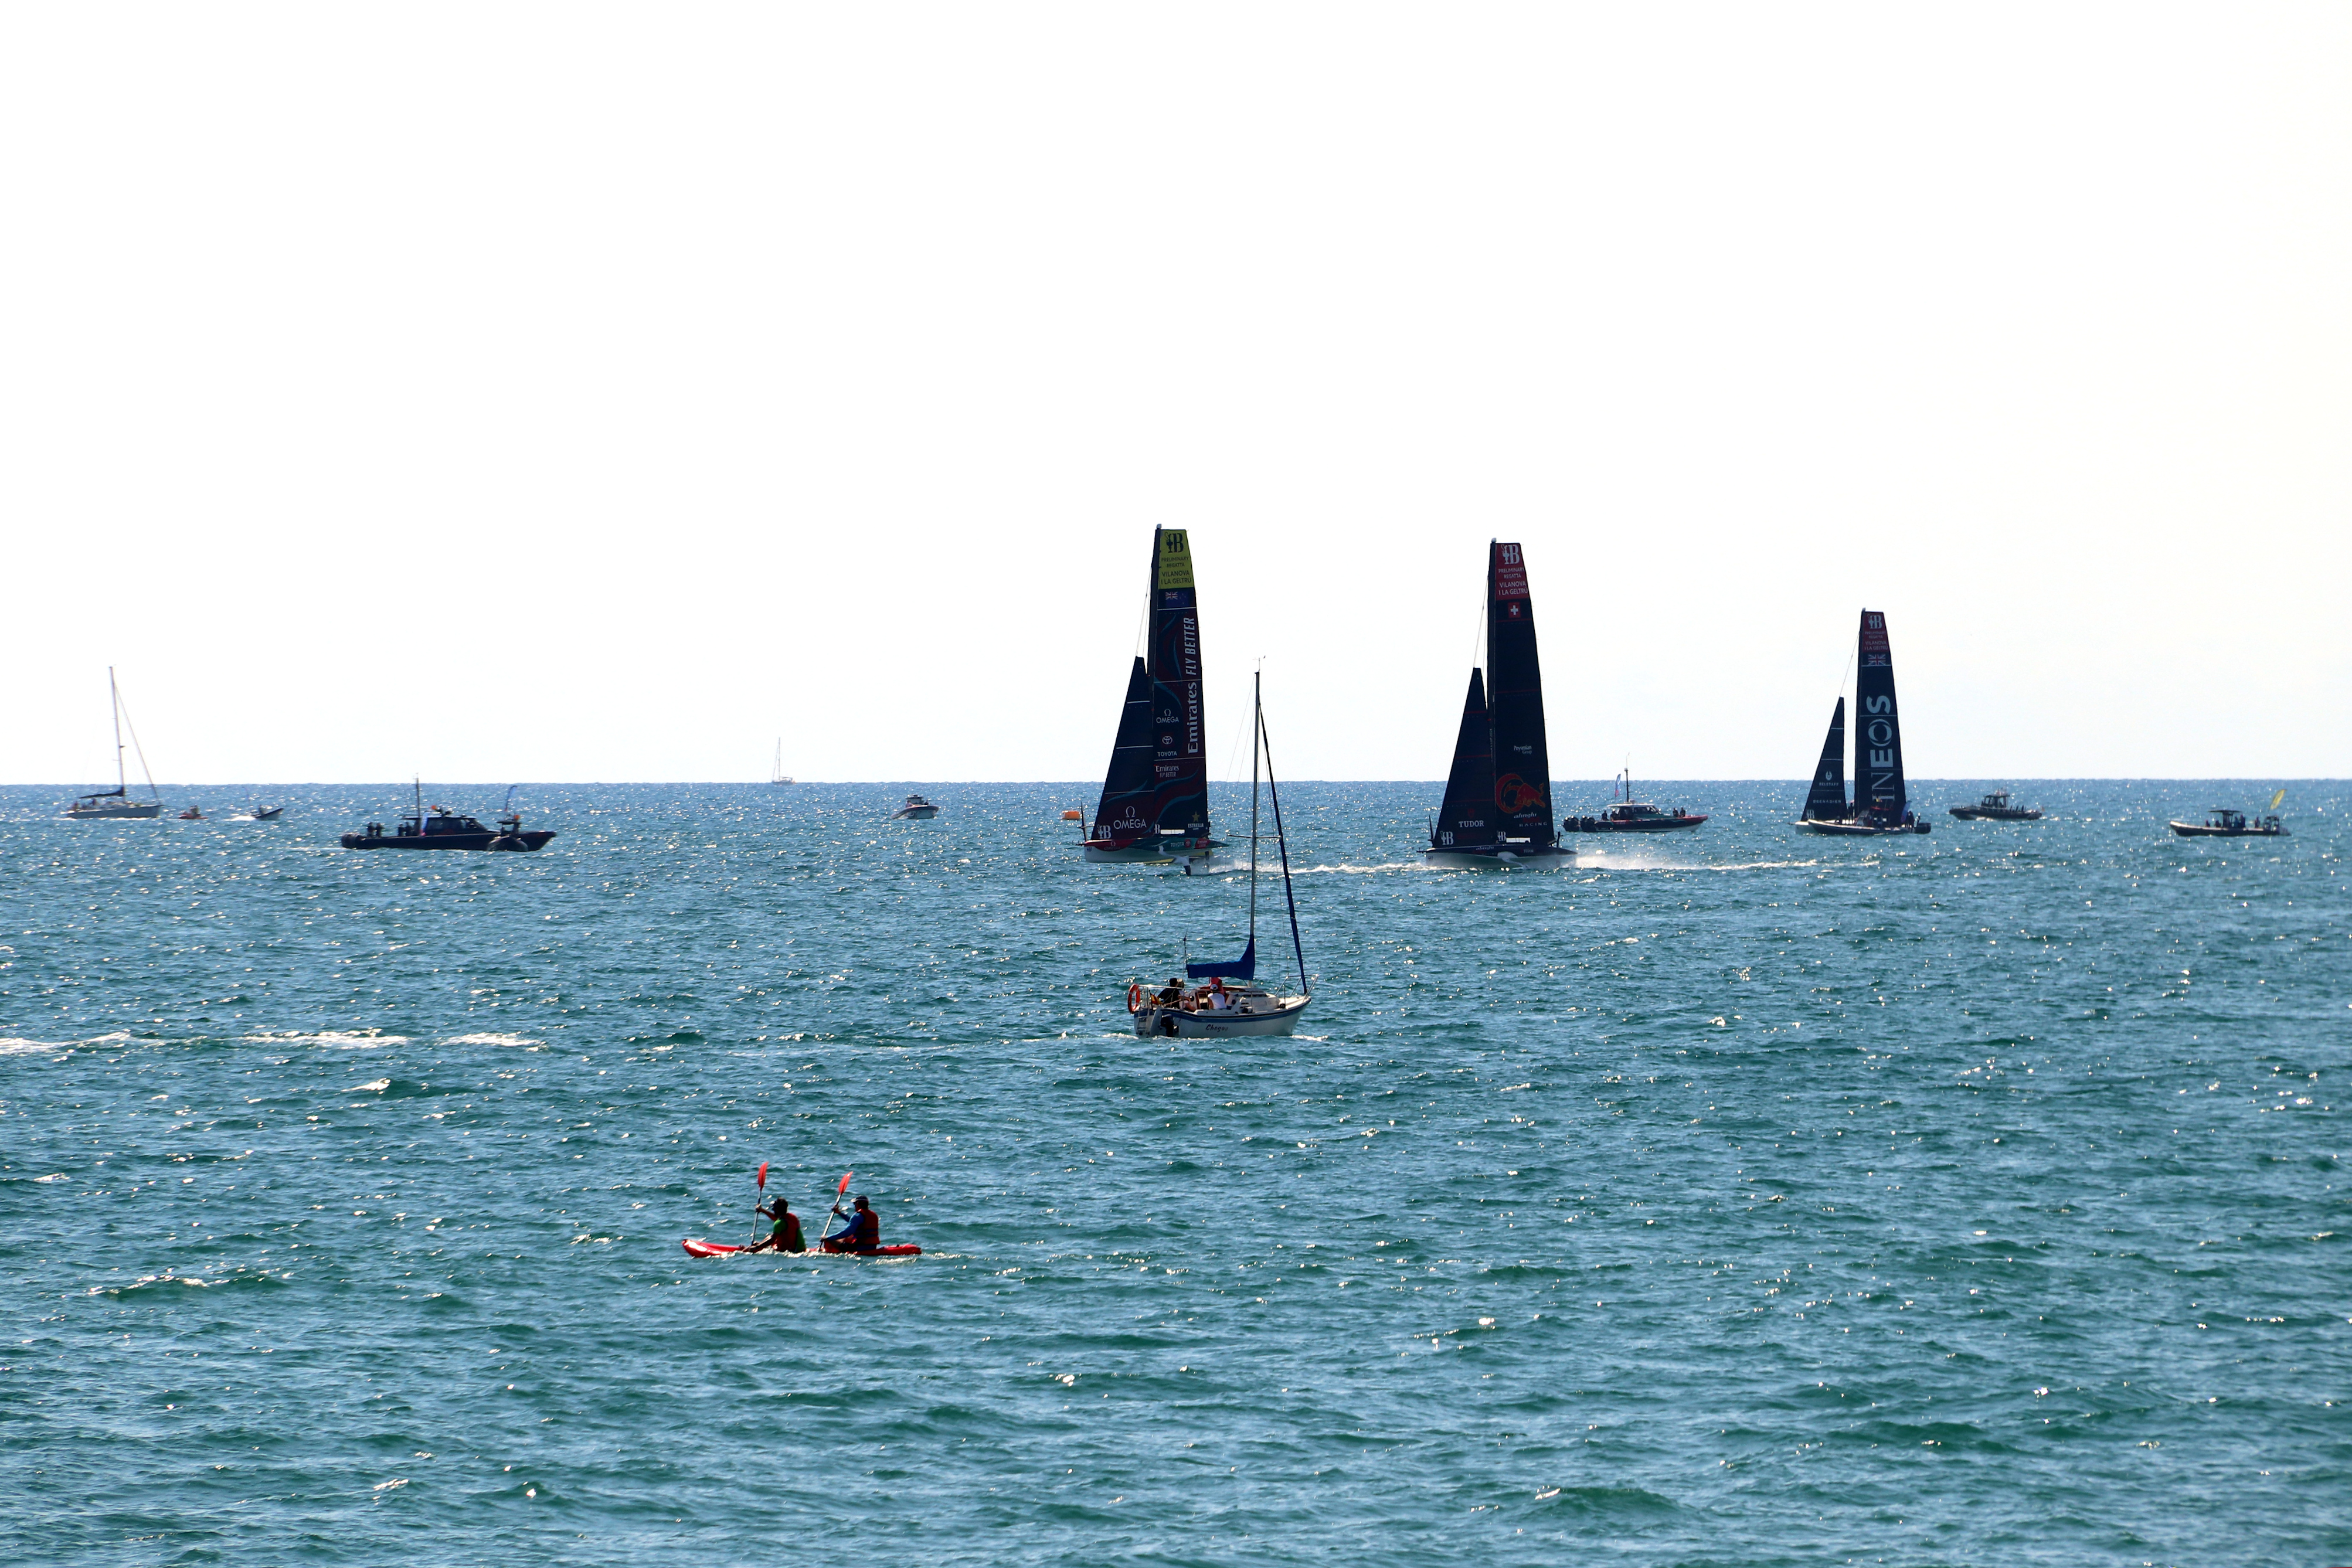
(1467, 818)
(1128, 786)
(1878, 791)
(1826, 801)
(1157, 788)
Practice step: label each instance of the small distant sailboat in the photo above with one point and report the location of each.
(1155, 795)
(105, 805)
(916, 809)
(777, 774)
(1498, 805)
(1880, 804)
(1217, 1010)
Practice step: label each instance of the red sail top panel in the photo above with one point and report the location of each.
(1511, 572)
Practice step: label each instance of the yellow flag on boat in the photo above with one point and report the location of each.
(2276, 798)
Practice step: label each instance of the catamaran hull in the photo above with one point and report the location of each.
(1147, 854)
(1497, 860)
(116, 814)
(1857, 829)
(1152, 1021)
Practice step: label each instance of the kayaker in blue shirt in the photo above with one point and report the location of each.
(865, 1232)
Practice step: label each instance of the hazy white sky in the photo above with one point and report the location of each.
(574, 392)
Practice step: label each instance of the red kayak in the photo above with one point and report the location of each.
(697, 1248)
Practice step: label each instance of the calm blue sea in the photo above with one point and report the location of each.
(1738, 1197)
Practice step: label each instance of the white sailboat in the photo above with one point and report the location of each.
(116, 803)
(778, 776)
(1216, 1010)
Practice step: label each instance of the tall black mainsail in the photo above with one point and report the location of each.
(1465, 820)
(1826, 801)
(1181, 763)
(1878, 792)
(1515, 694)
(1498, 793)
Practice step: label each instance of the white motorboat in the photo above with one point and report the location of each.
(116, 804)
(916, 809)
(1216, 1009)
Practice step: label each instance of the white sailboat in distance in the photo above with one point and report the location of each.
(116, 803)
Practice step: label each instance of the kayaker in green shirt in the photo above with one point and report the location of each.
(786, 1235)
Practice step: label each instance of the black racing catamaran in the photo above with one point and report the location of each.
(1880, 804)
(1155, 798)
(1498, 805)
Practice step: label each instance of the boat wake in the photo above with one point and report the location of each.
(1604, 861)
(333, 1039)
(13, 1046)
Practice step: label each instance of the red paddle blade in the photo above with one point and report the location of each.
(845, 1183)
(763, 1175)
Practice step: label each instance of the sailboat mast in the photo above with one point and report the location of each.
(1257, 718)
(114, 700)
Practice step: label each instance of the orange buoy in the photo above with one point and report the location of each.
(1074, 816)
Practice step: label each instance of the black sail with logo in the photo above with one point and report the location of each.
(1825, 803)
(1877, 732)
(1179, 797)
(1522, 792)
(1128, 786)
(1467, 818)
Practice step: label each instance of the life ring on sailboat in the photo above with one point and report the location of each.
(1134, 997)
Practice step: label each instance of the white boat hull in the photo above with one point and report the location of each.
(114, 813)
(914, 813)
(1259, 1014)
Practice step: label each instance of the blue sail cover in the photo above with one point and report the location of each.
(1242, 969)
